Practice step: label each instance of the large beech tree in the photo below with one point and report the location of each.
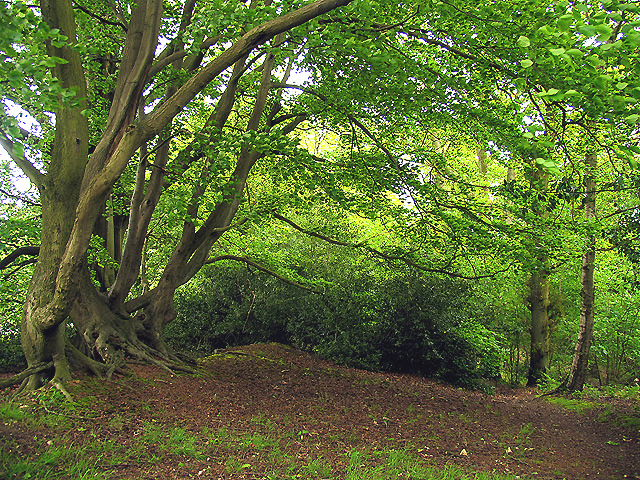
(80, 176)
(174, 105)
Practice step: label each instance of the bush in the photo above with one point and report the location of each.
(219, 311)
(408, 323)
(11, 355)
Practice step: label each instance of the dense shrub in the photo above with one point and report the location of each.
(219, 311)
(406, 323)
(11, 356)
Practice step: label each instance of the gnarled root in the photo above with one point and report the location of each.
(25, 374)
(81, 360)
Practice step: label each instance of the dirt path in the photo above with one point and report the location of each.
(317, 409)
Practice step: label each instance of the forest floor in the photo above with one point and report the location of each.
(271, 412)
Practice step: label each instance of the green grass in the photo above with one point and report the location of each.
(577, 405)
(404, 464)
(608, 413)
(76, 462)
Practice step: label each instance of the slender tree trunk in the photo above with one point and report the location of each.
(578, 372)
(538, 298)
(539, 305)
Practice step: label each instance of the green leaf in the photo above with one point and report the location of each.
(603, 29)
(588, 30)
(602, 81)
(574, 52)
(18, 150)
(594, 61)
(548, 165)
(13, 131)
(634, 149)
(557, 51)
(633, 119)
(564, 22)
(549, 93)
(523, 41)
(546, 30)
(633, 38)
(526, 63)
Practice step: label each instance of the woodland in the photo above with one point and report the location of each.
(319, 239)
(427, 187)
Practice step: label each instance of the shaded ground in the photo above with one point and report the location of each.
(268, 411)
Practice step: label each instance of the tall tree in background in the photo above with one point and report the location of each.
(538, 286)
(579, 366)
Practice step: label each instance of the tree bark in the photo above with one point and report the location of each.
(539, 305)
(538, 298)
(579, 367)
(60, 189)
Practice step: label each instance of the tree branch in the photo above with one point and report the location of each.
(19, 267)
(18, 252)
(262, 269)
(252, 39)
(32, 173)
(456, 51)
(99, 18)
(165, 60)
(20, 198)
(378, 253)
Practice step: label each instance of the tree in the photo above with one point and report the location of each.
(578, 372)
(77, 183)
(538, 298)
(169, 110)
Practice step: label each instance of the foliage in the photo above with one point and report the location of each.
(617, 330)
(408, 98)
(18, 228)
(407, 323)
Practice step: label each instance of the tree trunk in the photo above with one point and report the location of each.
(578, 372)
(539, 305)
(42, 340)
(539, 292)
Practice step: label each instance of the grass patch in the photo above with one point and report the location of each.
(577, 405)
(404, 464)
(608, 413)
(53, 461)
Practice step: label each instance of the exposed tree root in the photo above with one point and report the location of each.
(25, 374)
(149, 355)
(22, 386)
(60, 386)
(99, 369)
(116, 350)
